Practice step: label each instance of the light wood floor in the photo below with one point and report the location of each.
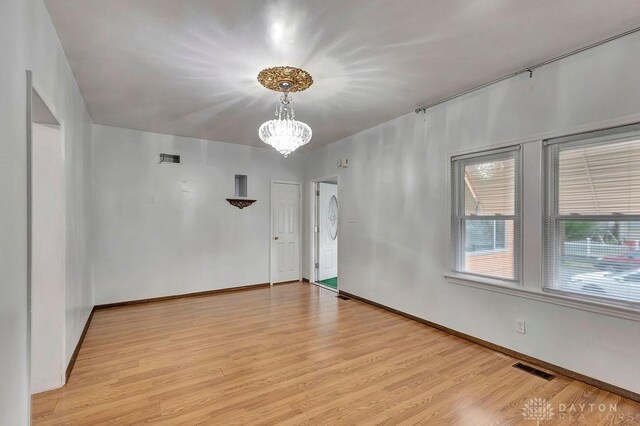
(296, 354)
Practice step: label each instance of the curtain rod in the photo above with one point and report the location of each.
(525, 70)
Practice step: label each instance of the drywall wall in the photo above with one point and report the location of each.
(54, 82)
(14, 388)
(166, 229)
(394, 215)
(47, 259)
(29, 41)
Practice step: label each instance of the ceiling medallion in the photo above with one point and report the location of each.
(284, 133)
(285, 79)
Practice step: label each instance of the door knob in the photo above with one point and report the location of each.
(275, 238)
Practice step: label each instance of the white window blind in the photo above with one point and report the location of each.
(486, 214)
(592, 224)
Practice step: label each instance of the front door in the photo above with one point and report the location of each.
(327, 231)
(285, 238)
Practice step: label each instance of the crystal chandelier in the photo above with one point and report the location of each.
(488, 170)
(284, 133)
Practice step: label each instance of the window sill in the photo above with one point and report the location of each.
(573, 302)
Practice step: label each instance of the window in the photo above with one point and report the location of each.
(592, 223)
(485, 236)
(486, 214)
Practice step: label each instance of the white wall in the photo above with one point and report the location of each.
(396, 250)
(47, 259)
(166, 229)
(29, 41)
(13, 215)
(54, 81)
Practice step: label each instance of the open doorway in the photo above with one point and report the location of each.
(325, 245)
(46, 210)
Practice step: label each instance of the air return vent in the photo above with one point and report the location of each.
(169, 158)
(534, 371)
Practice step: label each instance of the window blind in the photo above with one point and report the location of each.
(592, 224)
(486, 214)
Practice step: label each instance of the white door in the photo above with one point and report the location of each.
(285, 227)
(327, 231)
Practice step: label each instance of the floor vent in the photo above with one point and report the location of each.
(341, 297)
(534, 371)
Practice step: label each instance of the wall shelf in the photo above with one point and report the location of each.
(240, 203)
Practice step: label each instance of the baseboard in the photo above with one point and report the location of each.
(72, 361)
(181, 296)
(529, 359)
(306, 280)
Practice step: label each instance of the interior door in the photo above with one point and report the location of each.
(327, 231)
(285, 238)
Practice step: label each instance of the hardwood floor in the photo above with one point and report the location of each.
(296, 354)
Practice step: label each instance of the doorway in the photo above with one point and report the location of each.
(325, 228)
(46, 210)
(286, 231)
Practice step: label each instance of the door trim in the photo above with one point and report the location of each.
(285, 182)
(313, 217)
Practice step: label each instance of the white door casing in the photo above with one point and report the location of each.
(327, 232)
(285, 232)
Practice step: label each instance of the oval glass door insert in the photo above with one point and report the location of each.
(332, 217)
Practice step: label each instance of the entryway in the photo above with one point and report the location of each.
(325, 228)
(46, 247)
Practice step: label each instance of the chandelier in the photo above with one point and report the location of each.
(488, 170)
(284, 132)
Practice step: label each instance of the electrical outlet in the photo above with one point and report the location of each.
(520, 327)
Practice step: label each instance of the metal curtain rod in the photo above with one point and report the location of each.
(525, 70)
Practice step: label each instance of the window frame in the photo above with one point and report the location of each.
(459, 216)
(551, 243)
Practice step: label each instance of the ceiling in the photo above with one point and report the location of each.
(189, 67)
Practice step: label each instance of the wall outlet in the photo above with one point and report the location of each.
(520, 327)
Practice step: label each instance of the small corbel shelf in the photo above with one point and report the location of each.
(240, 203)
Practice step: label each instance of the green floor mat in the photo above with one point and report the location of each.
(330, 282)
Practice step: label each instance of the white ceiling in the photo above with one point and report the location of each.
(189, 67)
